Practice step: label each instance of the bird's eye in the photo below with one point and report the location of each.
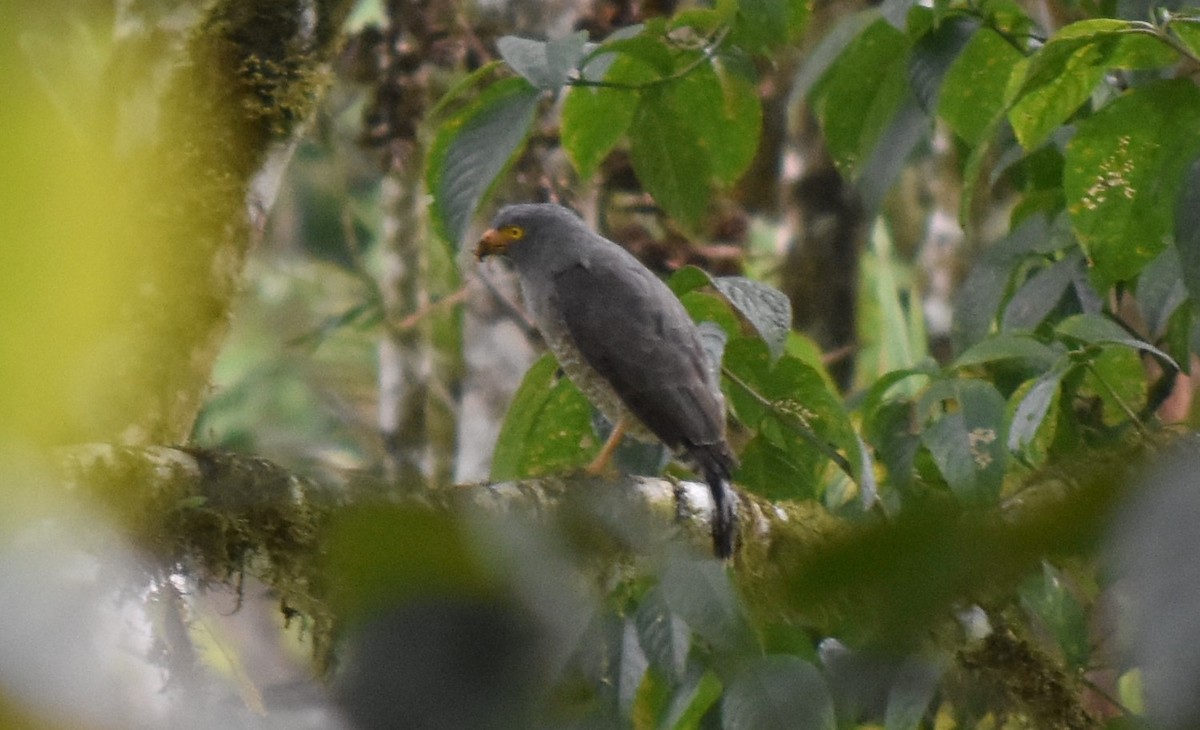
(513, 233)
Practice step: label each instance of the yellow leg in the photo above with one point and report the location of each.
(600, 463)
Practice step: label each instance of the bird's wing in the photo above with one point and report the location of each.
(633, 332)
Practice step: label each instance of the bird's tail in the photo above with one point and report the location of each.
(716, 463)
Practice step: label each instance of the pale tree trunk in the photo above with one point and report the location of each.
(197, 113)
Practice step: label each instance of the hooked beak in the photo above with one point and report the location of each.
(493, 242)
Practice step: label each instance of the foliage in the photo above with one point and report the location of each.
(927, 550)
(1088, 132)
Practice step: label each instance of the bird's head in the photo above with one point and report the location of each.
(520, 231)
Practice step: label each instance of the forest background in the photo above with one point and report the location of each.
(277, 452)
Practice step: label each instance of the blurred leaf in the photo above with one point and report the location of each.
(1123, 172)
(1039, 295)
(908, 128)
(700, 593)
(1060, 613)
(967, 441)
(650, 703)
(777, 692)
(1036, 403)
(891, 429)
(1098, 329)
(631, 668)
(896, 336)
(697, 693)
(547, 427)
(830, 48)
(664, 636)
(972, 91)
(855, 101)
(1161, 290)
(1154, 545)
(471, 149)
(1187, 228)
(1064, 72)
(1007, 345)
(595, 118)
(910, 695)
(545, 64)
(765, 307)
(381, 555)
(933, 55)
(979, 298)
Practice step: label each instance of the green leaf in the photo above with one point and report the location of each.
(1064, 72)
(548, 427)
(798, 399)
(763, 24)
(856, 100)
(1035, 404)
(1117, 376)
(766, 308)
(545, 64)
(649, 50)
(1007, 346)
(688, 278)
(972, 93)
(1098, 329)
(595, 118)
(775, 473)
(831, 47)
(723, 110)
(472, 148)
(1123, 173)
(967, 441)
(1188, 31)
(703, 306)
(777, 692)
(668, 159)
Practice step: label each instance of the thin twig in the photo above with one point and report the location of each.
(710, 50)
(413, 319)
(794, 423)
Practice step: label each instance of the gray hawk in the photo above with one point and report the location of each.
(625, 340)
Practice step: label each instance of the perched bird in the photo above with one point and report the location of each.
(625, 340)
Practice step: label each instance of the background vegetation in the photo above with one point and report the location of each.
(278, 452)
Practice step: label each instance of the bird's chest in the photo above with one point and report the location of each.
(558, 338)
